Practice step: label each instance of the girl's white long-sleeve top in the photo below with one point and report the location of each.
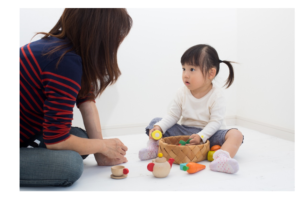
(207, 112)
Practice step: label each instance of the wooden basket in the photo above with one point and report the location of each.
(168, 146)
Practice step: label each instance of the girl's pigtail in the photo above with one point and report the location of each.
(231, 73)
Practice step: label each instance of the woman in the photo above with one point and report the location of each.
(72, 64)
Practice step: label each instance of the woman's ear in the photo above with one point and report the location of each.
(212, 73)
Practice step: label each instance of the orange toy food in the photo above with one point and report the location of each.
(215, 147)
(192, 167)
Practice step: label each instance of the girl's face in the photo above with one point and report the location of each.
(194, 79)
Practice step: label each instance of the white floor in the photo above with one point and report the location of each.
(266, 163)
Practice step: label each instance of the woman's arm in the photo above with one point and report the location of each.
(91, 119)
(110, 147)
(106, 151)
(95, 144)
(92, 125)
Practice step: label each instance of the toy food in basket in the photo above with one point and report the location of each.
(168, 146)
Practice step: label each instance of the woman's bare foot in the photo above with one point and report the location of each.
(103, 160)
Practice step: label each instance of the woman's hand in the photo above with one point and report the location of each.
(156, 127)
(114, 148)
(195, 139)
(103, 160)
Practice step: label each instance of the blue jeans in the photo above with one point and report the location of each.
(43, 167)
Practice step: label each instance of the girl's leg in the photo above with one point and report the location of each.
(174, 130)
(233, 140)
(152, 145)
(223, 161)
(151, 124)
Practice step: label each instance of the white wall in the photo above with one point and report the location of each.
(149, 58)
(265, 90)
(261, 40)
(33, 20)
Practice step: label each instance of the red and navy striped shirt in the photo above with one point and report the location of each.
(48, 94)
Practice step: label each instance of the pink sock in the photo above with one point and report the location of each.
(149, 152)
(223, 162)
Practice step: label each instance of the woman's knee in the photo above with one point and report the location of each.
(43, 167)
(73, 168)
(79, 132)
(234, 133)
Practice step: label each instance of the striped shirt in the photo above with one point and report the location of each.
(48, 94)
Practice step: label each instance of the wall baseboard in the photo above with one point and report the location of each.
(130, 129)
(230, 120)
(127, 129)
(265, 128)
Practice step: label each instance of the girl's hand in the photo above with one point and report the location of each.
(156, 127)
(195, 139)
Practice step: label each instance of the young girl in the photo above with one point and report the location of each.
(202, 108)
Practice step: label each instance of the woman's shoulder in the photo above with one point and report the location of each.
(37, 50)
(45, 45)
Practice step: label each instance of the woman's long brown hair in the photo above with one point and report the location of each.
(94, 34)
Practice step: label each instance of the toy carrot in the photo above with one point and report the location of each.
(192, 167)
(215, 147)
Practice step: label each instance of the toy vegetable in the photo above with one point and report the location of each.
(156, 135)
(181, 142)
(213, 149)
(192, 167)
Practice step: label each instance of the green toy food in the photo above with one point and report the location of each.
(184, 143)
(182, 165)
